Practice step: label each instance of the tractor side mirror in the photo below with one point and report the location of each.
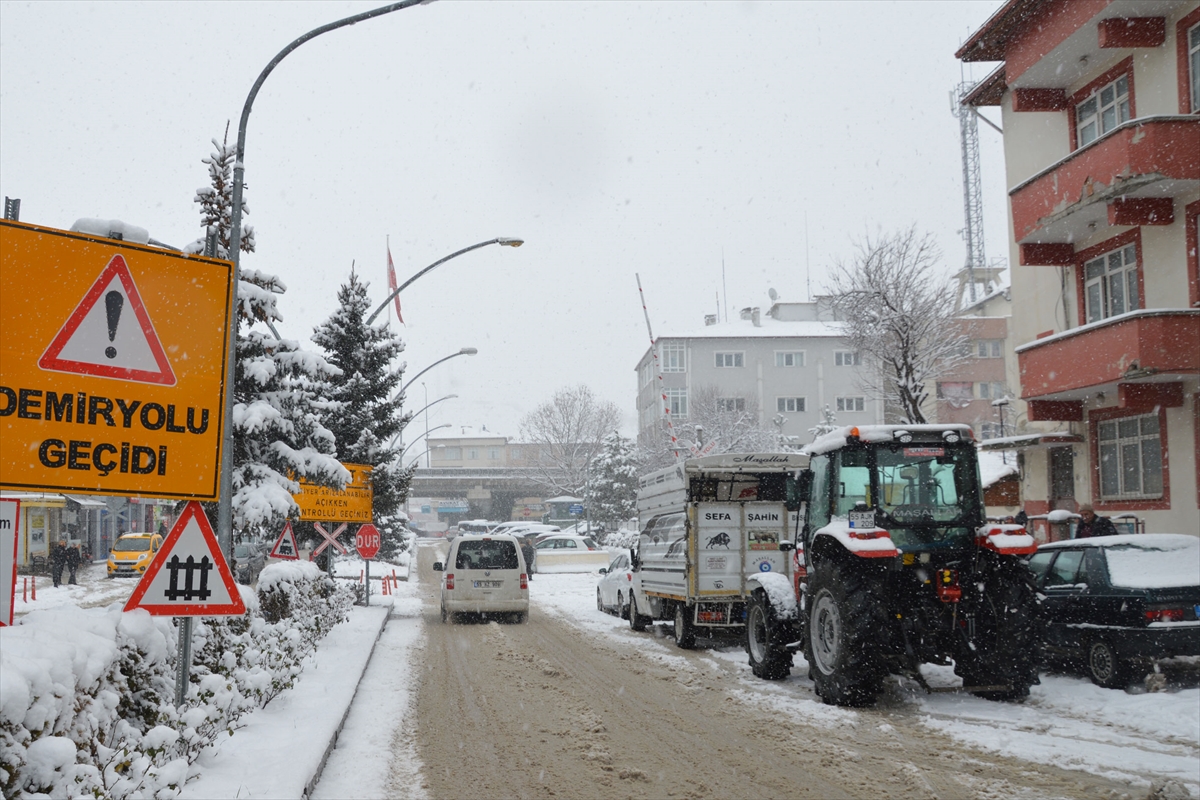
(799, 487)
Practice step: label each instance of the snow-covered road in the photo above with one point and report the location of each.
(1070, 739)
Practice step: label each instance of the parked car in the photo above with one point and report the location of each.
(248, 561)
(616, 582)
(484, 575)
(562, 553)
(1113, 604)
(132, 553)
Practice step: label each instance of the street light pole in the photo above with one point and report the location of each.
(500, 240)
(415, 413)
(466, 351)
(225, 505)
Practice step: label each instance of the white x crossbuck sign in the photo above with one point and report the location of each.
(330, 539)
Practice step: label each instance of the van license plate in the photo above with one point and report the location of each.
(488, 584)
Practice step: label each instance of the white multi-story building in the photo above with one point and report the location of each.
(1100, 106)
(786, 365)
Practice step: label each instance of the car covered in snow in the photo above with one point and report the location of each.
(1114, 604)
(484, 575)
(563, 553)
(615, 585)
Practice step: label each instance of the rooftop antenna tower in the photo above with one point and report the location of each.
(972, 233)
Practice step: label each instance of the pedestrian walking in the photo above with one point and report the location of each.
(73, 559)
(1092, 524)
(58, 560)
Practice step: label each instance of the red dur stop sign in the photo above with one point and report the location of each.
(366, 541)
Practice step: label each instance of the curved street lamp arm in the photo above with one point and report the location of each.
(498, 240)
(425, 436)
(462, 352)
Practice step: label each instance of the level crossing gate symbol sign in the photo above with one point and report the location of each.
(285, 546)
(110, 334)
(189, 577)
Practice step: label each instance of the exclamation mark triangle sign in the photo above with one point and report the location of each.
(110, 335)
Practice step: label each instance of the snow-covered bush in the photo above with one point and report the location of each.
(87, 695)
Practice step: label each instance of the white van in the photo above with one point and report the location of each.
(484, 575)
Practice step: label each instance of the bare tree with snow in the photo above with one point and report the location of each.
(569, 432)
(899, 313)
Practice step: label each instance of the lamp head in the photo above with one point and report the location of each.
(468, 351)
(509, 242)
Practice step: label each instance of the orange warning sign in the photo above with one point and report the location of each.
(112, 365)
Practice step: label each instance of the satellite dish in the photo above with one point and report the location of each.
(774, 295)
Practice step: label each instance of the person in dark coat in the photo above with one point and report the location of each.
(73, 559)
(529, 554)
(1092, 524)
(58, 560)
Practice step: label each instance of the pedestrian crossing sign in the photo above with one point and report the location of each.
(189, 577)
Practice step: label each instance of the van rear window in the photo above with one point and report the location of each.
(487, 555)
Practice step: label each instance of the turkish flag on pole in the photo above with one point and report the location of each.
(392, 283)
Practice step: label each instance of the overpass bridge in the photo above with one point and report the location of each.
(490, 492)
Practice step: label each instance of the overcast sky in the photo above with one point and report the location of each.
(666, 139)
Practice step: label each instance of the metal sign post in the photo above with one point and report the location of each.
(184, 653)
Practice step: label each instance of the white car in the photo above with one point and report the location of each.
(484, 574)
(562, 553)
(616, 583)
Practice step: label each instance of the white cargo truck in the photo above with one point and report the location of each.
(709, 527)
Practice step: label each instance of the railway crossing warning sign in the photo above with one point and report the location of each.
(189, 577)
(285, 546)
(112, 365)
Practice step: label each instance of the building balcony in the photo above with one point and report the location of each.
(1129, 176)
(1136, 354)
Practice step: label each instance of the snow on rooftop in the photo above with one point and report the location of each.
(770, 328)
(466, 432)
(992, 466)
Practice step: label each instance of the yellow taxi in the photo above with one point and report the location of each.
(132, 553)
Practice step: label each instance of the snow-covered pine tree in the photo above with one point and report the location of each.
(216, 201)
(278, 398)
(370, 419)
(611, 489)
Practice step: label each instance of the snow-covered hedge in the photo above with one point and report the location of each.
(87, 695)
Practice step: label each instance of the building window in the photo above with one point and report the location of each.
(1131, 464)
(677, 402)
(1193, 59)
(674, 357)
(729, 360)
(1111, 284)
(494, 453)
(514, 453)
(992, 391)
(990, 430)
(450, 453)
(473, 454)
(1103, 111)
(847, 358)
(792, 359)
(731, 404)
(646, 373)
(850, 403)
(789, 405)
(957, 393)
(990, 348)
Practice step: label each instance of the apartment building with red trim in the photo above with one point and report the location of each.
(1100, 107)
